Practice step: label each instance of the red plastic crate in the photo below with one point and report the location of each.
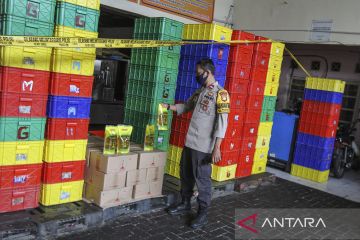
(317, 130)
(258, 74)
(230, 144)
(261, 60)
(242, 35)
(246, 156)
(250, 129)
(237, 100)
(228, 158)
(262, 47)
(243, 170)
(63, 172)
(236, 117)
(254, 102)
(320, 118)
(321, 107)
(241, 54)
(22, 105)
(71, 85)
(21, 80)
(66, 129)
(252, 116)
(256, 88)
(238, 71)
(20, 176)
(248, 143)
(177, 138)
(234, 131)
(239, 86)
(19, 199)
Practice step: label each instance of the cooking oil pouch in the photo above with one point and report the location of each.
(162, 118)
(123, 139)
(149, 141)
(110, 140)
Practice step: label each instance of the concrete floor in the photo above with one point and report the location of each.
(347, 187)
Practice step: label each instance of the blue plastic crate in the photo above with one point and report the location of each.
(323, 96)
(184, 93)
(215, 51)
(313, 157)
(68, 107)
(315, 141)
(186, 79)
(188, 64)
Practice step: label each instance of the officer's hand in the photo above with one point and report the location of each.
(164, 105)
(216, 155)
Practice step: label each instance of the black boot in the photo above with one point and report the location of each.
(183, 207)
(200, 220)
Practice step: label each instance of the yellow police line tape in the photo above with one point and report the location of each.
(76, 42)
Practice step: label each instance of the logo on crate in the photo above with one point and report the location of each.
(66, 175)
(28, 61)
(25, 109)
(27, 85)
(166, 78)
(220, 53)
(76, 65)
(74, 89)
(21, 157)
(20, 179)
(23, 133)
(72, 111)
(17, 201)
(80, 20)
(166, 93)
(69, 131)
(32, 9)
(64, 195)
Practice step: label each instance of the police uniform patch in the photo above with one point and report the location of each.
(223, 102)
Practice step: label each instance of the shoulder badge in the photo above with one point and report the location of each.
(223, 101)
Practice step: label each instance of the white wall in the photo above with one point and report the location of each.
(220, 13)
(290, 20)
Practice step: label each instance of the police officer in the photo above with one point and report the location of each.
(210, 106)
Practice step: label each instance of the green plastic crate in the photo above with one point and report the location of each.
(155, 58)
(22, 129)
(269, 102)
(267, 115)
(153, 74)
(42, 10)
(145, 105)
(158, 28)
(162, 92)
(18, 26)
(70, 15)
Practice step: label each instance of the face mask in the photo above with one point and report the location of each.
(201, 79)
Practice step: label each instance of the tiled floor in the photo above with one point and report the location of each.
(347, 187)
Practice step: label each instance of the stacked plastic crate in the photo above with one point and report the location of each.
(317, 128)
(152, 78)
(24, 78)
(187, 85)
(271, 78)
(69, 104)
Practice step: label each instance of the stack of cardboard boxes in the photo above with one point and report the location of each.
(113, 180)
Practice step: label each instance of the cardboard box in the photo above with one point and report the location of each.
(113, 163)
(155, 158)
(155, 174)
(108, 198)
(89, 151)
(147, 190)
(136, 177)
(105, 181)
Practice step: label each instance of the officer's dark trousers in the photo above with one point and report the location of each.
(195, 167)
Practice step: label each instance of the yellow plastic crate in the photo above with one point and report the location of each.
(275, 63)
(265, 128)
(69, 62)
(258, 167)
(271, 89)
(223, 173)
(61, 31)
(261, 154)
(277, 49)
(21, 153)
(94, 4)
(273, 76)
(167, 166)
(26, 57)
(58, 193)
(174, 169)
(209, 31)
(64, 150)
(310, 174)
(174, 153)
(263, 141)
(325, 84)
